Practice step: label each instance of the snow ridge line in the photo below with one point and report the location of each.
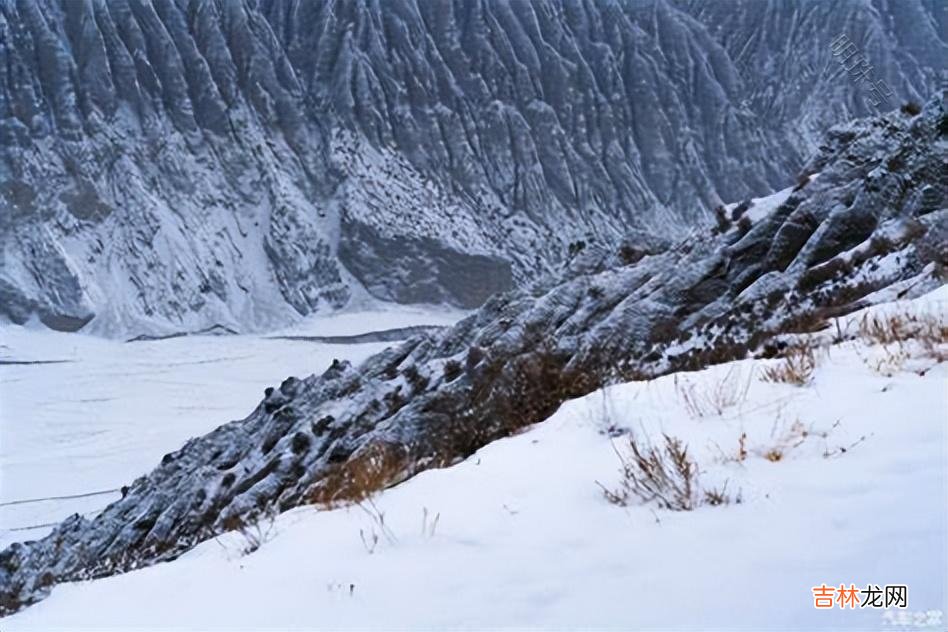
(39, 500)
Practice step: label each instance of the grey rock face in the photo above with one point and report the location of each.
(420, 270)
(870, 227)
(170, 165)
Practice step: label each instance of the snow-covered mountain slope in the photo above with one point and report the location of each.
(171, 165)
(837, 483)
(870, 228)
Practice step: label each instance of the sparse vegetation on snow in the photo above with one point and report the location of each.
(780, 488)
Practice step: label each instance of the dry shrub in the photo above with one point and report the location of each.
(254, 533)
(902, 336)
(784, 438)
(740, 454)
(518, 392)
(716, 497)
(713, 398)
(806, 322)
(372, 469)
(370, 535)
(891, 361)
(788, 437)
(884, 329)
(796, 367)
(505, 394)
(665, 475)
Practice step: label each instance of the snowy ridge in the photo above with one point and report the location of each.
(173, 165)
(118, 405)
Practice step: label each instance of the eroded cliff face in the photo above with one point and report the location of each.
(870, 227)
(168, 165)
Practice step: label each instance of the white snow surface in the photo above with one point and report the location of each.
(763, 206)
(373, 316)
(104, 412)
(520, 536)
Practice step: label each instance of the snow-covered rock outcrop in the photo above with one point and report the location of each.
(171, 165)
(870, 227)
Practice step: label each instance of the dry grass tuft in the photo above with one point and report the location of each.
(904, 336)
(713, 398)
(364, 474)
(665, 475)
(928, 330)
(796, 367)
(739, 455)
(716, 497)
(370, 535)
(787, 438)
(891, 360)
(254, 533)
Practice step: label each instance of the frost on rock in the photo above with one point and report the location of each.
(854, 235)
(172, 166)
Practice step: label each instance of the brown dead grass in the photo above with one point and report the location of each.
(254, 532)
(666, 476)
(903, 337)
(367, 472)
(796, 366)
(928, 330)
(709, 398)
(663, 475)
